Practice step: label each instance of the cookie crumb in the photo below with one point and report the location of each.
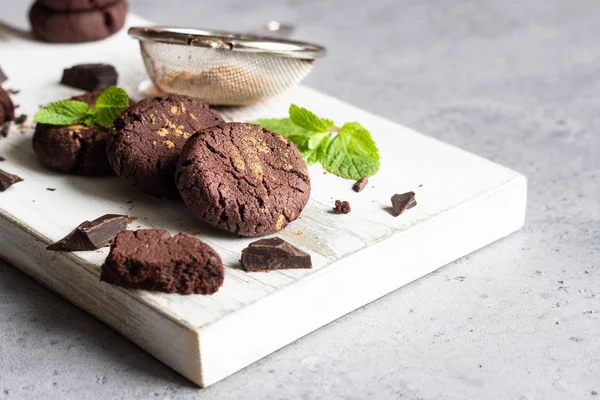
(131, 219)
(341, 207)
(298, 233)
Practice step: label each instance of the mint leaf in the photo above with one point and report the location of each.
(316, 148)
(64, 112)
(352, 154)
(309, 121)
(110, 104)
(90, 118)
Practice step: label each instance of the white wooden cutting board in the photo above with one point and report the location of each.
(464, 203)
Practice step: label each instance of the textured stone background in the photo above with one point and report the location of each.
(516, 81)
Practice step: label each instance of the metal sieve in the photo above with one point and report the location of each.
(223, 68)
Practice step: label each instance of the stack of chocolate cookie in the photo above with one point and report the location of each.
(73, 21)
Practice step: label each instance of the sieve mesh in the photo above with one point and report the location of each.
(221, 77)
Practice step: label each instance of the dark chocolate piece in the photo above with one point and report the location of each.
(92, 235)
(3, 76)
(360, 184)
(90, 77)
(2, 158)
(7, 180)
(20, 119)
(151, 259)
(341, 207)
(50, 189)
(403, 202)
(272, 254)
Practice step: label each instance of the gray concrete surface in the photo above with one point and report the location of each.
(516, 81)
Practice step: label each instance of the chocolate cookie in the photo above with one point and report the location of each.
(153, 260)
(243, 179)
(75, 5)
(73, 27)
(148, 139)
(7, 108)
(75, 149)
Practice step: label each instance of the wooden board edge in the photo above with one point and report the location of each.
(173, 343)
(248, 335)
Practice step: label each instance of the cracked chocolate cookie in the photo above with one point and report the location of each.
(153, 260)
(148, 139)
(243, 179)
(82, 26)
(75, 149)
(75, 5)
(7, 108)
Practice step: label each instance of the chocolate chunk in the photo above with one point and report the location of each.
(7, 180)
(402, 202)
(341, 207)
(272, 254)
(3, 76)
(90, 77)
(50, 189)
(360, 184)
(2, 158)
(92, 235)
(20, 119)
(151, 259)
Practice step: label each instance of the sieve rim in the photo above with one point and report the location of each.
(246, 43)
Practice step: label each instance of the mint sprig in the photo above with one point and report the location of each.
(348, 152)
(109, 105)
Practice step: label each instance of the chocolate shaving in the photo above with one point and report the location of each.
(403, 202)
(92, 235)
(273, 254)
(360, 184)
(7, 180)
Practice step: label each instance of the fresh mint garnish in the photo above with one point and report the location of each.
(352, 153)
(349, 152)
(309, 121)
(64, 112)
(110, 104)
